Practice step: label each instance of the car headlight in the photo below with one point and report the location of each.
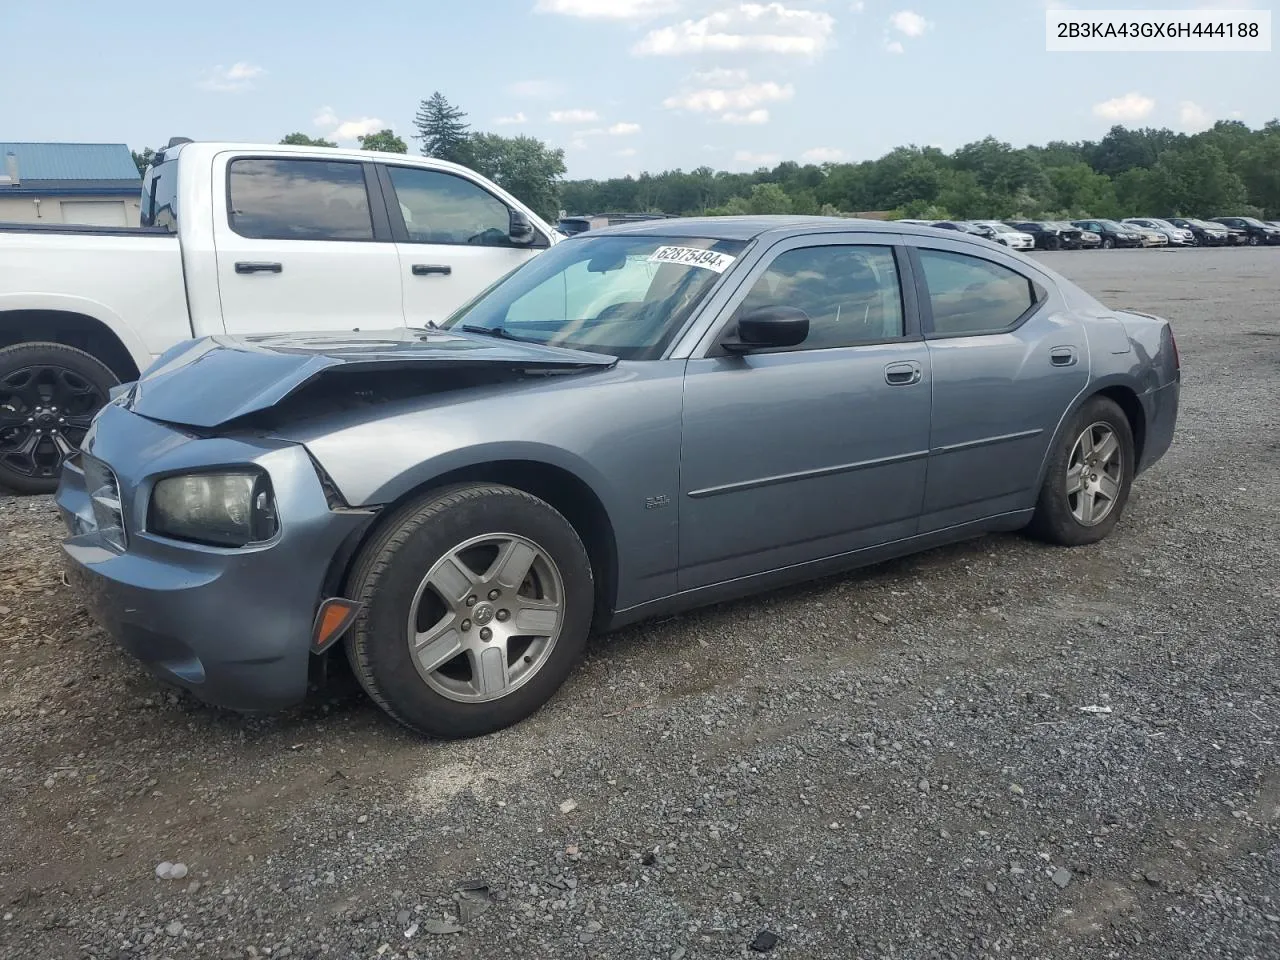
(231, 509)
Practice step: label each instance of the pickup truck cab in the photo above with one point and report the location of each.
(236, 239)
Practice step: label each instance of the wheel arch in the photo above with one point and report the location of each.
(1122, 393)
(564, 490)
(108, 340)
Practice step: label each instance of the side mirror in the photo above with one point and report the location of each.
(773, 326)
(521, 230)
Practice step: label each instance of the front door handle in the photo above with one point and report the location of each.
(902, 374)
(1062, 356)
(258, 267)
(428, 269)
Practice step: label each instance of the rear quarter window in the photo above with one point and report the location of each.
(160, 196)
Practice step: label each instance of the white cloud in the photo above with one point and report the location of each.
(746, 117)
(353, 129)
(515, 118)
(577, 144)
(857, 6)
(236, 78)
(1193, 117)
(748, 158)
(345, 130)
(909, 23)
(893, 46)
(573, 116)
(535, 89)
(719, 99)
(627, 152)
(823, 155)
(607, 9)
(747, 27)
(624, 129)
(1130, 107)
(721, 77)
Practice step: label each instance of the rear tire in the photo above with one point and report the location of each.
(49, 393)
(1089, 475)
(448, 585)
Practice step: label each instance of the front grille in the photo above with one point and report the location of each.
(104, 498)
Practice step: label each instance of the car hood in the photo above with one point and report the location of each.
(209, 382)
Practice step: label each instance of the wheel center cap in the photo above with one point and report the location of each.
(482, 614)
(46, 417)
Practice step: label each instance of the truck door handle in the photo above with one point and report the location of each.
(427, 269)
(902, 374)
(258, 267)
(1062, 356)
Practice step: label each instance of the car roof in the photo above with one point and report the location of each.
(755, 227)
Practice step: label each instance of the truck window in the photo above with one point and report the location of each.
(442, 208)
(283, 199)
(160, 196)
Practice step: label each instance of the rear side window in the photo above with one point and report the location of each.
(160, 197)
(969, 295)
(272, 198)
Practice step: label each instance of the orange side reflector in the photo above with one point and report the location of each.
(332, 620)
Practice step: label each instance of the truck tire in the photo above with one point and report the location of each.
(49, 393)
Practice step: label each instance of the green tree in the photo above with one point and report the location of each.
(443, 129)
(143, 160)
(768, 198)
(1082, 192)
(1260, 170)
(523, 165)
(302, 140)
(1195, 181)
(384, 140)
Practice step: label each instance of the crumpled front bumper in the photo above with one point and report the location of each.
(233, 626)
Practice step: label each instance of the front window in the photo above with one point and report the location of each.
(443, 208)
(626, 296)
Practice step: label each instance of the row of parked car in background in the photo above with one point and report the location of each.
(1109, 234)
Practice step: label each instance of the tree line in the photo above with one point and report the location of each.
(1230, 169)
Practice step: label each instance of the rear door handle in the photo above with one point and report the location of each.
(427, 269)
(902, 374)
(258, 267)
(1062, 356)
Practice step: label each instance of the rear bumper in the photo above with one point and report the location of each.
(1161, 407)
(232, 626)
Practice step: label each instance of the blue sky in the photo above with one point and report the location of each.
(622, 85)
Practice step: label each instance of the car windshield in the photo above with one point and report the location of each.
(1000, 227)
(1112, 225)
(1253, 221)
(626, 296)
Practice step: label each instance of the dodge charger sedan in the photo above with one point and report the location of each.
(643, 419)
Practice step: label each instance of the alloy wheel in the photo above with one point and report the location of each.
(486, 617)
(45, 411)
(1095, 472)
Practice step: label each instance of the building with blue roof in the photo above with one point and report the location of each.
(93, 183)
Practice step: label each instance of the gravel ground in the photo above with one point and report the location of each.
(998, 749)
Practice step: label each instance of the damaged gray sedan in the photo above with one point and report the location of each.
(640, 420)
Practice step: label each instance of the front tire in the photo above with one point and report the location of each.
(49, 393)
(477, 604)
(1108, 243)
(1088, 479)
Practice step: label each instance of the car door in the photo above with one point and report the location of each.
(797, 454)
(1008, 360)
(453, 239)
(301, 244)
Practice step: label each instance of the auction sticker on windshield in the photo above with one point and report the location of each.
(692, 256)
